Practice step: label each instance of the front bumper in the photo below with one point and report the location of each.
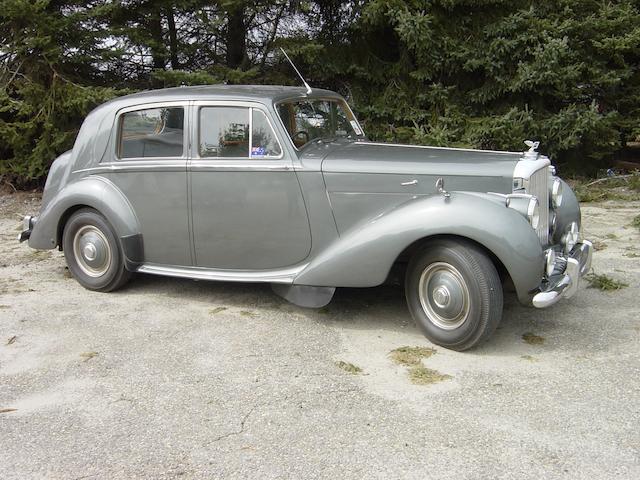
(565, 284)
(27, 223)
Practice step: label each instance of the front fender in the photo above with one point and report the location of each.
(364, 255)
(95, 192)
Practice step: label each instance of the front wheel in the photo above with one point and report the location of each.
(93, 253)
(454, 293)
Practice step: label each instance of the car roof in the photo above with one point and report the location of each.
(262, 93)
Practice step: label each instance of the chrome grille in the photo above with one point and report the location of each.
(538, 186)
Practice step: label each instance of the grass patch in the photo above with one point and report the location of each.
(216, 310)
(88, 355)
(348, 367)
(636, 222)
(631, 255)
(604, 282)
(247, 313)
(529, 358)
(599, 245)
(411, 355)
(616, 188)
(532, 338)
(420, 375)
(611, 236)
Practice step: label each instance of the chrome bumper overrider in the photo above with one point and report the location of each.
(565, 285)
(27, 223)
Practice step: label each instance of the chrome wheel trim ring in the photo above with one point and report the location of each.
(444, 295)
(92, 251)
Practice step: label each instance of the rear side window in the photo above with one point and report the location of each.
(236, 132)
(154, 132)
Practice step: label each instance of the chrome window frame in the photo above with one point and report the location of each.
(157, 160)
(250, 106)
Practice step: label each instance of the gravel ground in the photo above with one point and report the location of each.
(173, 378)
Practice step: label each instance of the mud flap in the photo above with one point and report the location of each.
(304, 295)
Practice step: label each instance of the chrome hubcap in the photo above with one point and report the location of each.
(91, 250)
(444, 295)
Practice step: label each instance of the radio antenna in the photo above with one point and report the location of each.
(297, 71)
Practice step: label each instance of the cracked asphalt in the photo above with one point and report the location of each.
(172, 378)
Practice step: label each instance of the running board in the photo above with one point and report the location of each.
(285, 276)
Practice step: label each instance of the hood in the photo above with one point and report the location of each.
(377, 158)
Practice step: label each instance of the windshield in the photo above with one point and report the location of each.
(310, 119)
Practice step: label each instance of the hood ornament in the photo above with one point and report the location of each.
(532, 152)
(533, 146)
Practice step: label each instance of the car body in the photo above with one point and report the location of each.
(275, 184)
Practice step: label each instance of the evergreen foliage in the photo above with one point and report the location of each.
(473, 73)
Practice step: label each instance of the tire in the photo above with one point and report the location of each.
(454, 293)
(93, 252)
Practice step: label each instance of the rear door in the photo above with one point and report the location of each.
(150, 168)
(247, 208)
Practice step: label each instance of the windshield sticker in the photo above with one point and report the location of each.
(258, 151)
(356, 127)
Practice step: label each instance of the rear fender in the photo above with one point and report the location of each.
(100, 194)
(364, 255)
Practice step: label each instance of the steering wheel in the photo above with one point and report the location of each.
(299, 141)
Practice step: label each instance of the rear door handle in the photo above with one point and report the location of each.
(412, 182)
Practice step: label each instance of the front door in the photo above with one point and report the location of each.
(247, 207)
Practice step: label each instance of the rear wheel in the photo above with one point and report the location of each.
(454, 293)
(93, 253)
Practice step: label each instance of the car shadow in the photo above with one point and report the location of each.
(380, 308)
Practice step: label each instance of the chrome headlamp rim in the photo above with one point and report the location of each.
(571, 237)
(556, 193)
(550, 261)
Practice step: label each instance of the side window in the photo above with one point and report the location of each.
(264, 142)
(154, 132)
(230, 132)
(224, 132)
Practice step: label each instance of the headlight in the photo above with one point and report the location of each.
(571, 237)
(556, 193)
(526, 205)
(533, 212)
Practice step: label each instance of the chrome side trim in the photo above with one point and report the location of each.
(198, 165)
(137, 166)
(285, 275)
(362, 142)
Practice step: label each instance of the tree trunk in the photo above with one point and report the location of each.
(158, 50)
(173, 39)
(236, 36)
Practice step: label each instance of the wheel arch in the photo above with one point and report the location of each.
(101, 195)
(418, 244)
(364, 255)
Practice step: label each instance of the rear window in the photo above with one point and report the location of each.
(153, 132)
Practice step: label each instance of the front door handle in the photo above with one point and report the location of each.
(412, 182)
